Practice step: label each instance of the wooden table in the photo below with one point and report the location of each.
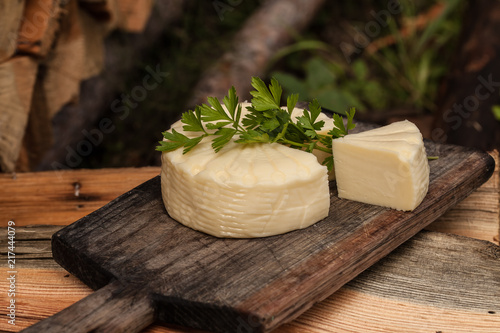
(445, 279)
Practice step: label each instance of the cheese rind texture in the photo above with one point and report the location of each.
(386, 166)
(244, 190)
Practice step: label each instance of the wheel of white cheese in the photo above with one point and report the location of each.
(244, 190)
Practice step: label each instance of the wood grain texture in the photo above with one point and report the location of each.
(433, 282)
(10, 19)
(17, 80)
(40, 24)
(64, 196)
(479, 215)
(95, 313)
(228, 284)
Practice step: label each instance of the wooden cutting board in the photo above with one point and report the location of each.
(148, 267)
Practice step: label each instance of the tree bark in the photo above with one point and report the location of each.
(265, 32)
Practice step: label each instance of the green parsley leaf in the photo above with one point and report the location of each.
(340, 129)
(177, 140)
(223, 136)
(291, 101)
(252, 119)
(214, 112)
(218, 125)
(350, 117)
(328, 162)
(231, 102)
(308, 120)
(193, 120)
(270, 124)
(276, 91)
(265, 122)
(252, 136)
(264, 99)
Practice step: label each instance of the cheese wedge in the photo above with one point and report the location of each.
(386, 166)
(254, 190)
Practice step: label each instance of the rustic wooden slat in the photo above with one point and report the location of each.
(32, 232)
(434, 282)
(17, 79)
(479, 215)
(10, 19)
(64, 196)
(95, 313)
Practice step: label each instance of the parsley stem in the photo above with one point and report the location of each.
(305, 145)
(282, 133)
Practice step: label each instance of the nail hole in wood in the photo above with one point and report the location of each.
(77, 186)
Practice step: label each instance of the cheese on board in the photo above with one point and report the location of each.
(386, 166)
(244, 190)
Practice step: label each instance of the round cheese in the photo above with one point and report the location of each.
(244, 190)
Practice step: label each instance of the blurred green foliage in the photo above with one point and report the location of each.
(403, 74)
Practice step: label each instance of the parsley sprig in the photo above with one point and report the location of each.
(266, 122)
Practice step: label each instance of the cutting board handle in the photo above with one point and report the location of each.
(113, 308)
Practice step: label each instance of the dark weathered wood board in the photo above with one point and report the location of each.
(149, 267)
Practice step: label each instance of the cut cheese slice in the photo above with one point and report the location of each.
(253, 190)
(386, 166)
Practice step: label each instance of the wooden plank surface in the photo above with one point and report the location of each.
(222, 284)
(64, 196)
(478, 215)
(434, 282)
